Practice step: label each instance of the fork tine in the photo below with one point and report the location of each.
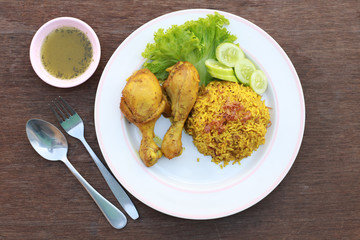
(59, 108)
(72, 111)
(56, 114)
(63, 110)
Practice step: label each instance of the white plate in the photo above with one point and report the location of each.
(184, 187)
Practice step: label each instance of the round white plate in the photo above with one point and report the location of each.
(185, 187)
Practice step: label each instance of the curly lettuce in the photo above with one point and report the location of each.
(194, 41)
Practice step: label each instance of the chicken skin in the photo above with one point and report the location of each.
(181, 88)
(142, 104)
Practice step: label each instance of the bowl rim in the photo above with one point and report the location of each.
(37, 41)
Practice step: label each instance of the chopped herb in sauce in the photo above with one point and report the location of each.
(66, 53)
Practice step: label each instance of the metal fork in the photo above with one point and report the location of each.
(74, 126)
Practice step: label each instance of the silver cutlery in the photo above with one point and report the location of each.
(74, 126)
(51, 144)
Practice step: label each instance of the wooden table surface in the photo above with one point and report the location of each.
(318, 199)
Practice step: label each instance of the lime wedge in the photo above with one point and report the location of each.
(229, 77)
(218, 68)
(258, 82)
(229, 54)
(243, 70)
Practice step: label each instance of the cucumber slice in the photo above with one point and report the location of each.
(218, 68)
(243, 70)
(258, 82)
(228, 77)
(229, 54)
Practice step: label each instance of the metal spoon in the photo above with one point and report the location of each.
(51, 144)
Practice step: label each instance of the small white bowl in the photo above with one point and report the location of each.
(38, 39)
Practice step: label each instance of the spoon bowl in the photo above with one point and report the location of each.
(49, 142)
(45, 138)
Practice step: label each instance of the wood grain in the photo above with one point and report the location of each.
(318, 199)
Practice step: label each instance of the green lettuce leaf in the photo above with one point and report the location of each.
(194, 41)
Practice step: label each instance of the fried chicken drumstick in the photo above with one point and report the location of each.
(182, 88)
(142, 104)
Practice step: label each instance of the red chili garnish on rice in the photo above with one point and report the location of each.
(246, 116)
(207, 128)
(232, 112)
(221, 128)
(237, 106)
(218, 125)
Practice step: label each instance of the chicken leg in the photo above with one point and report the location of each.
(142, 104)
(182, 88)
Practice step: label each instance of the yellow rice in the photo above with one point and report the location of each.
(228, 122)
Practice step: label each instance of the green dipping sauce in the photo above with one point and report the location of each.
(66, 53)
